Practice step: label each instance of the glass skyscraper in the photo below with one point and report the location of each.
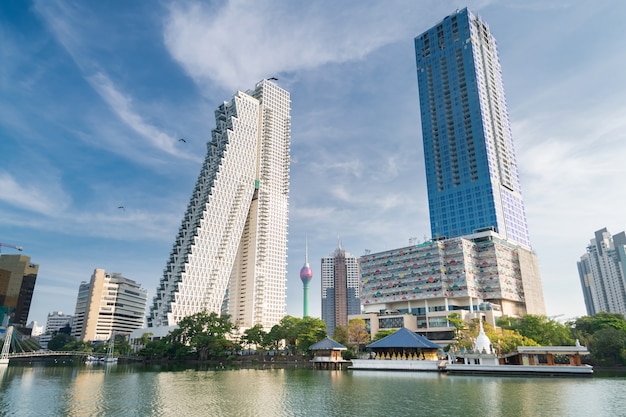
(471, 168)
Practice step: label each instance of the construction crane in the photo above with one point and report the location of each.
(10, 246)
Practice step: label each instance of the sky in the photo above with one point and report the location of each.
(94, 97)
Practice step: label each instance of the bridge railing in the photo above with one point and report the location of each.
(53, 353)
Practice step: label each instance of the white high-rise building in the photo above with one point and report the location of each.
(230, 254)
(602, 273)
(107, 305)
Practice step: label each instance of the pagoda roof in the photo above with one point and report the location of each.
(327, 344)
(404, 338)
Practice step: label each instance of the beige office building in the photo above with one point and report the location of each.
(108, 304)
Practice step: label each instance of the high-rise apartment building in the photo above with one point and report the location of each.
(471, 168)
(106, 305)
(230, 254)
(17, 283)
(475, 274)
(602, 273)
(340, 289)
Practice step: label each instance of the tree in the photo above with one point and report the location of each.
(586, 326)
(309, 330)
(59, 341)
(341, 334)
(607, 346)
(542, 330)
(383, 333)
(458, 323)
(255, 336)
(206, 333)
(357, 333)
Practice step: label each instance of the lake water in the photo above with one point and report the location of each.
(130, 390)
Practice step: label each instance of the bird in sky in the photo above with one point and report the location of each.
(182, 140)
(122, 207)
(273, 79)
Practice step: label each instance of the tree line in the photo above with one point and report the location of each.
(207, 335)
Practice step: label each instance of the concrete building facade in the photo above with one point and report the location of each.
(18, 276)
(602, 271)
(230, 255)
(106, 305)
(340, 289)
(470, 274)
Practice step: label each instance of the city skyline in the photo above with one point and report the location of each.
(96, 98)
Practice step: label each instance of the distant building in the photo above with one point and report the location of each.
(340, 289)
(602, 272)
(230, 254)
(17, 283)
(480, 274)
(471, 167)
(36, 329)
(107, 304)
(55, 322)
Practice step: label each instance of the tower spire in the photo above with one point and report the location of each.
(306, 274)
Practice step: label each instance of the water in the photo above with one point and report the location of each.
(120, 390)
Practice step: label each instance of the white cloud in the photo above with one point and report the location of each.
(243, 42)
(47, 198)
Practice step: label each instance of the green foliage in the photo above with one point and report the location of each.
(586, 326)
(543, 331)
(605, 336)
(607, 346)
(59, 341)
(255, 336)
(341, 335)
(503, 340)
(205, 333)
(309, 331)
(383, 333)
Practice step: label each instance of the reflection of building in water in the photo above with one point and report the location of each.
(418, 286)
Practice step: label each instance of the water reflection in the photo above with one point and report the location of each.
(137, 391)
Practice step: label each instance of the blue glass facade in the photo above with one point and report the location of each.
(471, 168)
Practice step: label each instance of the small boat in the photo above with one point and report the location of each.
(92, 359)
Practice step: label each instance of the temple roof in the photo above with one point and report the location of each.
(327, 344)
(404, 338)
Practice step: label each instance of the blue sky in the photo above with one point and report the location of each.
(95, 95)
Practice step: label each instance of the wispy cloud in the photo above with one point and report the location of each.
(74, 27)
(47, 198)
(121, 105)
(241, 42)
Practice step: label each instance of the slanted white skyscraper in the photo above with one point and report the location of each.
(231, 250)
